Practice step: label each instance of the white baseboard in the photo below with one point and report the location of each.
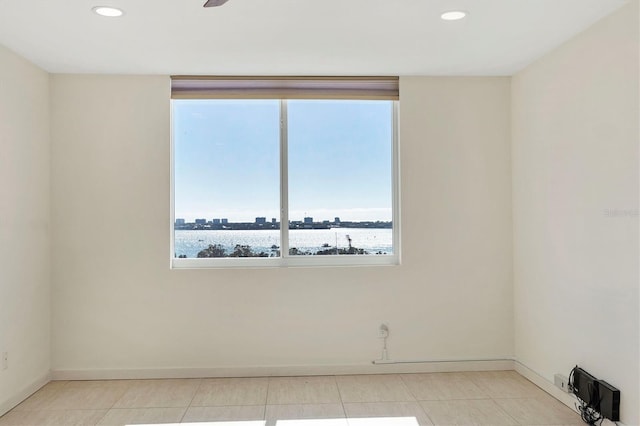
(566, 398)
(24, 393)
(295, 370)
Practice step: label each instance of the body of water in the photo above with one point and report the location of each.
(373, 241)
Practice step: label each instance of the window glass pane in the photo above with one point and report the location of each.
(340, 177)
(226, 178)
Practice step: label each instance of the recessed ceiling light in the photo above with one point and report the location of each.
(109, 12)
(453, 15)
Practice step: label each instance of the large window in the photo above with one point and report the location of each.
(295, 179)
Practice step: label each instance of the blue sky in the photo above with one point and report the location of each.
(226, 155)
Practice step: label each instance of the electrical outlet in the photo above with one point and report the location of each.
(5, 360)
(562, 382)
(383, 331)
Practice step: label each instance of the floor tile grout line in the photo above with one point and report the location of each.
(505, 412)
(416, 400)
(128, 386)
(200, 382)
(527, 398)
(266, 402)
(144, 381)
(344, 410)
(425, 413)
(399, 377)
(201, 379)
(407, 386)
(394, 399)
(266, 398)
(153, 407)
(302, 403)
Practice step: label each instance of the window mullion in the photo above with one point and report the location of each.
(284, 181)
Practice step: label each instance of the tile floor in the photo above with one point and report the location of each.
(474, 398)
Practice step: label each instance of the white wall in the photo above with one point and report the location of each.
(24, 227)
(575, 186)
(117, 305)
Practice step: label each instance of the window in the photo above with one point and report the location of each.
(317, 155)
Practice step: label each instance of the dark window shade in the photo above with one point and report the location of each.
(212, 87)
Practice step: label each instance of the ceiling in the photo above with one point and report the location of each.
(293, 37)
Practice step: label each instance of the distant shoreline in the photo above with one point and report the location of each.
(188, 243)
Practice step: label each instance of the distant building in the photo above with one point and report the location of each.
(224, 221)
(216, 221)
(274, 220)
(261, 220)
(308, 220)
(180, 222)
(336, 220)
(201, 221)
(325, 222)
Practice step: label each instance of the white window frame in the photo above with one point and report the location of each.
(286, 260)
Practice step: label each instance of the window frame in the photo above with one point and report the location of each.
(286, 260)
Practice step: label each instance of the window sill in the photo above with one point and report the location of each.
(285, 262)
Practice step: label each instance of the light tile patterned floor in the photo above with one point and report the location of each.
(474, 398)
